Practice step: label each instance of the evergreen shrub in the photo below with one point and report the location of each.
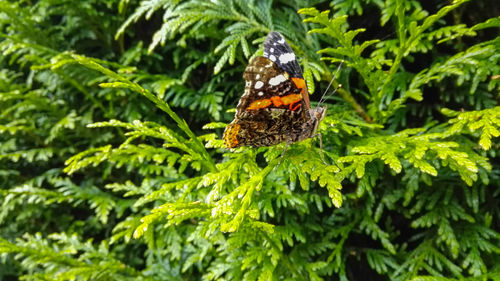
(112, 165)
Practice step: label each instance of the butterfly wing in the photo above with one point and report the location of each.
(275, 106)
(271, 108)
(267, 86)
(279, 51)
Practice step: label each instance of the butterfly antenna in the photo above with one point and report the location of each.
(323, 97)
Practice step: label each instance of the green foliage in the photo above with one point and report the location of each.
(112, 166)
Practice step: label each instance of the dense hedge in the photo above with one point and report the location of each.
(112, 165)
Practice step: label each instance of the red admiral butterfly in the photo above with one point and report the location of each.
(275, 105)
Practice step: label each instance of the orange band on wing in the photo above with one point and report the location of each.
(293, 98)
(277, 101)
(299, 83)
(258, 104)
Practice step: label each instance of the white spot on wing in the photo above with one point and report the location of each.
(248, 83)
(259, 84)
(277, 80)
(272, 57)
(271, 50)
(257, 76)
(288, 57)
(282, 40)
(260, 94)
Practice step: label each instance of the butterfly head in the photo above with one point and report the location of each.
(317, 114)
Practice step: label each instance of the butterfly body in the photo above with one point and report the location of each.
(275, 106)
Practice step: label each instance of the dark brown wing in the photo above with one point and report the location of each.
(277, 49)
(268, 86)
(271, 109)
(270, 127)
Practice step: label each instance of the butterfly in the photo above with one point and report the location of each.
(275, 106)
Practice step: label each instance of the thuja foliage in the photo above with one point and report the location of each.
(112, 166)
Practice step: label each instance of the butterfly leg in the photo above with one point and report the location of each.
(320, 146)
(283, 154)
